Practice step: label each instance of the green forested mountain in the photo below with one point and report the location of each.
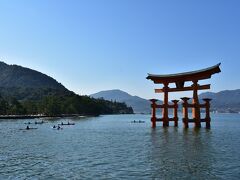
(25, 91)
(26, 84)
(21, 77)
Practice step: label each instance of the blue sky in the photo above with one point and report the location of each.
(104, 44)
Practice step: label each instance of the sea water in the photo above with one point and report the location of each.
(111, 147)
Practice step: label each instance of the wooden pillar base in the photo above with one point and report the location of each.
(165, 123)
(176, 122)
(197, 124)
(185, 111)
(185, 122)
(175, 112)
(153, 119)
(208, 119)
(208, 124)
(153, 122)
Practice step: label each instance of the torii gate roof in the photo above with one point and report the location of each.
(186, 76)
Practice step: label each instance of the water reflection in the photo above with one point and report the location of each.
(185, 153)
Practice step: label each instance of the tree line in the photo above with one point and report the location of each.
(53, 105)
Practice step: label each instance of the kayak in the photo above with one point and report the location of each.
(28, 129)
(68, 124)
(57, 128)
(138, 122)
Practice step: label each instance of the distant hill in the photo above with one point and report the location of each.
(224, 101)
(138, 104)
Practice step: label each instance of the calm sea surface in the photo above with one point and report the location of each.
(111, 147)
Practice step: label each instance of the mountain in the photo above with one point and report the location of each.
(17, 76)
(224, 101)
(138, 104)
(26, 84)
(26, 91)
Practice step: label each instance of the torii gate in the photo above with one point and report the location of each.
(179, 80)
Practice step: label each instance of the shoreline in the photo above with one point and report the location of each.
(47, 116)
(40, 116)
(69, 116)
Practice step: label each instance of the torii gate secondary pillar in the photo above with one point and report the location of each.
(154, 118)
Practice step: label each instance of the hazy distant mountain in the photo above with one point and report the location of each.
(138, 104)
(224, 101)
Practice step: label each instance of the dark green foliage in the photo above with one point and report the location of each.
(11, 106)
(58, 105)
(17, 76)
(4, 106)
(22, 94)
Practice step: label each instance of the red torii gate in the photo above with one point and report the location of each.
(179, 80)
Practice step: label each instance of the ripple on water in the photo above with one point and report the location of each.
(110, 147)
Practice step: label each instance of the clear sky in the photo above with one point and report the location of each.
(91, 46)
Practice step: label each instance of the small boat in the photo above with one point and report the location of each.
(28, 129)
(66, 124)
(31, 128)
(58, 128)
(138, 121)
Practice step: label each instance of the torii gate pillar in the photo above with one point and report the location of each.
(196, 108)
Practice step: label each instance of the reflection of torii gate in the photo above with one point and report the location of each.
(179, 80)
